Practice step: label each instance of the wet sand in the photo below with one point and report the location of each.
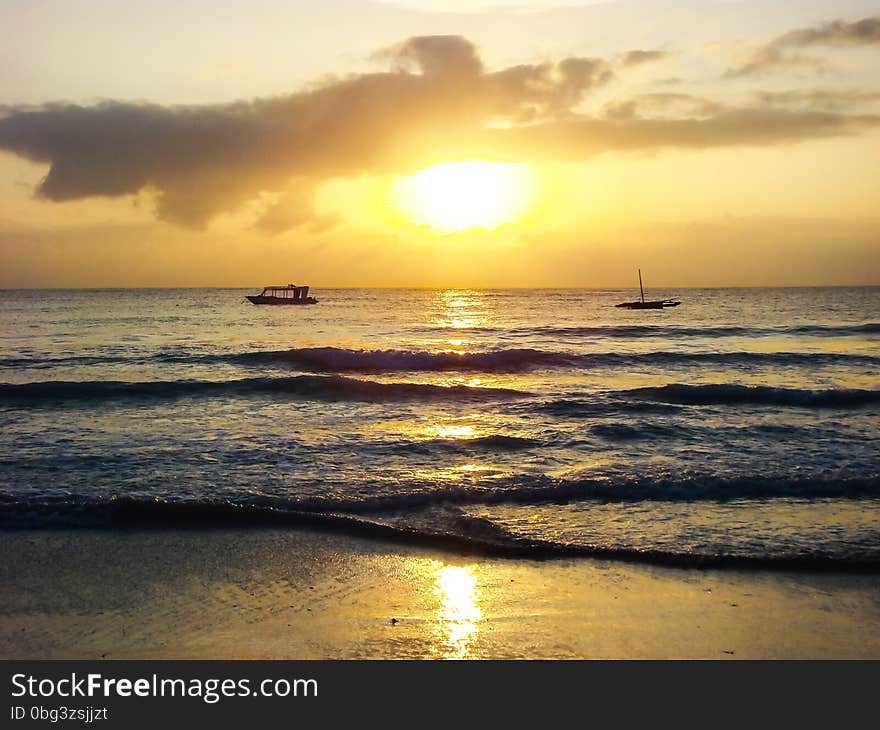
(297, 594)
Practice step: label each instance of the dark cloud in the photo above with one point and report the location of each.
(436, 55)
(773, 59)
(437, 102)
(637, 58)
(664, 105)
(295, 207)
(202, 160)
(583, 137)
(529, 92)
(778, 56)
(861, 32)
(822, 99)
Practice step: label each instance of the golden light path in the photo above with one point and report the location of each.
(460, 309)
(459, 613)
(457, 196)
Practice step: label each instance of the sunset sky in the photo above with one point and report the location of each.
(428, 143)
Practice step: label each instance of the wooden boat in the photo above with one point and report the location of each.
(656, 304)
(290, 294)
(642, 304)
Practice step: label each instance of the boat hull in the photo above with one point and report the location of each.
(287, 301)
(647, 305)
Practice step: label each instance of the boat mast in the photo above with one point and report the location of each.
(641, 289)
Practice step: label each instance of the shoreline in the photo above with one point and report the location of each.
(234, 593)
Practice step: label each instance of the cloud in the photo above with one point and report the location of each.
(436, 55)
(662, 104)
(778, 56)
(436, 102)
(203, 160)
(822, 99)
(773, 59)
(582, 138)
(529, 92)
(861, 32)
(637, 58)
(295, 207)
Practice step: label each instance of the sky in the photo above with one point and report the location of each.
(422, 143)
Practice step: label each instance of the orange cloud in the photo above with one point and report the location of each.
(437, 102)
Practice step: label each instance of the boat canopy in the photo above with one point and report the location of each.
(290, 291)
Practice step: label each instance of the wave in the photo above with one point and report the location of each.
(579, 408)
(676, 331)
(50, 362)
(336, 360)
(314, 387)
(538, 489)
(162, 357)
(461, 533)
(641, 431)
(541, 489)
(730, 394)
(341, 360)
(663, 331)
(493, 442)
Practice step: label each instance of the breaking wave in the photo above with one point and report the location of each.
(635, 331)
(315, 387)
(493, 442)
(676, 331)
(338, 360)
(730, 394)
(341, 360)
(457, 531)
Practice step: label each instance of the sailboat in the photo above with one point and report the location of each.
(656, 304)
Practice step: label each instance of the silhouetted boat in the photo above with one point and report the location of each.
(656, 304)
(290, 294)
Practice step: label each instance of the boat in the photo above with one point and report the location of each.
(290, 294)
(642, 304)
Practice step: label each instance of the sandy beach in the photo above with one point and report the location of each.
(298, 594)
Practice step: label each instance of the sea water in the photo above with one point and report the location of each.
(741, 427)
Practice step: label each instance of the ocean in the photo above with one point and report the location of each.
(739, 429)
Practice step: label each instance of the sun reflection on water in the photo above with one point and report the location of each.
(461, 473)
(461, 309)
(451, 431)
(458, 613)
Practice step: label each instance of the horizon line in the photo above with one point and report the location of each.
(449, 287)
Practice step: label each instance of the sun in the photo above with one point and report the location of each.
(456, 196)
